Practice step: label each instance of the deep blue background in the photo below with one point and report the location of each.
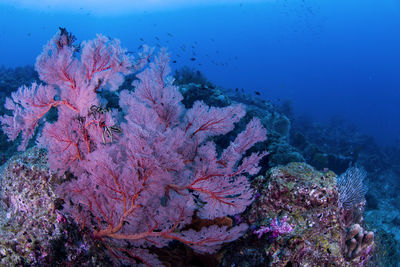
(331, 57)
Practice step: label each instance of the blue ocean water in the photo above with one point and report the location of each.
(329, 58)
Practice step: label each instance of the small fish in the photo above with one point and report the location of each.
(192, 59)
(174, 61)
(257, 93)
(158, 39)
(170, 34)
(141, 39)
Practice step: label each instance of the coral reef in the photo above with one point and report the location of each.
(28, 213)
(306, 199)
(212, 96)
(25, 226)
(296, 208)
(32, 230)
(335, 145)
(338, 145)
(187, 75)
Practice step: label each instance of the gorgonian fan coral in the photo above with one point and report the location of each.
(141, 179)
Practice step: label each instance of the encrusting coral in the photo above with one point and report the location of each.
(301, 204)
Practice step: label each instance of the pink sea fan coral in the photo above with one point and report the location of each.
(139, 181)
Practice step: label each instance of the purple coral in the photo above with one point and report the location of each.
(276, 228)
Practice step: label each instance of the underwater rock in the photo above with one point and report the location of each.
(281, 153)
(319, 159)
(306, 200)
(27, 217)
(208, 94)
(385, 250)
(186, 75)
(372, 202)
(32, 231)
(335, 146)
(299, 141)
(277, 123)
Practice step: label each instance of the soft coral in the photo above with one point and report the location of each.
(73, 76)
(145, 187)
